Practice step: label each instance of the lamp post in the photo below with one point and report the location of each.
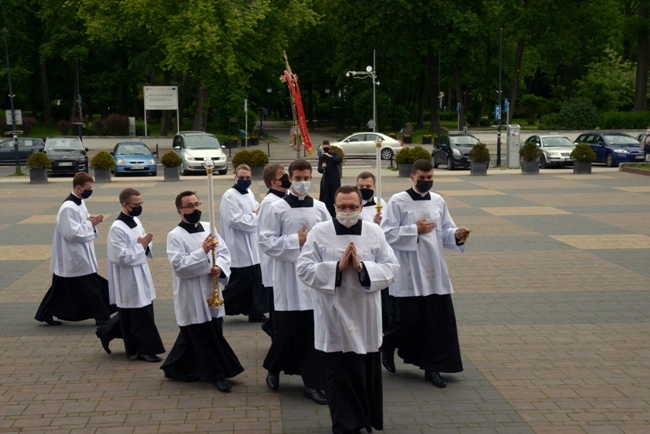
(14, 133)
(269, 89)
(369, 72)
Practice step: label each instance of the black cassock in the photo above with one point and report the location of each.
(330, 181)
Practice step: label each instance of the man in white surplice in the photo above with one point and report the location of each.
(346, 262)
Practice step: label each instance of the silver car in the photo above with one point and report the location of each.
(555, 149)
(363, 145)
(195, 147)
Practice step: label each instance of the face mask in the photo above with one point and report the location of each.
(243, 184)
(86, 193)
(285, 181)
(348, 219)
(367, 194)
(423, 186)
(193, 218)
(135, 211)
(326, 149)
(301, 187)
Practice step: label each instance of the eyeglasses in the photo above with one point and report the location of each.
(191, 205)
(135, 205)
(245, 178)
(350, 208)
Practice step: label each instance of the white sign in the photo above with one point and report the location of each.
(18, 114)
(161, 98)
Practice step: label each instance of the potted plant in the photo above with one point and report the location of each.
(406, 156)
(231, 142)
(38, 163)
(407, 138)
(529, 154)
(426, 139)
(256, 159)
(479, 159)
(171, 163)
(338, 151)
(582, 156)
(103, 162)
(253, 140)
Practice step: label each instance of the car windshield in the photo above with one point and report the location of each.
(71, 144)
(621, 140)
(463, 141)
(133, 149)
(202, 142)
(556, 142)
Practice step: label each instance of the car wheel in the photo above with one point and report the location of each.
(435, 162)
(609, 161)
(183, 171)
(386, 154)
(154, 173)
(542, 162)
(222, 172)
(450, 163)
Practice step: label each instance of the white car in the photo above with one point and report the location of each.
(363, 145)
(555, 149)
(195, 147)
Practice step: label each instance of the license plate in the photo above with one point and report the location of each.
(137, 167)
(66, 163)
(639, 157)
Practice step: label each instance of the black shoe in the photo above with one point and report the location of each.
(50, 321)
(148, 358)
(222, 384)
(315, 395)
(101, 322)
(104, 341)
(257, 318)
(273, 381)
(388, 359)
(435, 378)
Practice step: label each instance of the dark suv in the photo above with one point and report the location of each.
(452, 150)
(67, 154)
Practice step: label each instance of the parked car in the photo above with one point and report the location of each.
(26, 146)
(67, 154)
(452, 150)
(194, 147)
(363, 145)
(612, 148)
(134, 158)
(555, 149)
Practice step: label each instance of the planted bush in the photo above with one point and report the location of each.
(479, 153)
(408, 155)
(259, 158)
(38, 160)
(102, 161)
(171, 159)
(583, 152)
(529, 152)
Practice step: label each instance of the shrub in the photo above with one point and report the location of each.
(259, 158)
(338, 151)
(529, 152)
(100, 127)
(615, 120)
(38, 160)
(242, 157)
(550, 121)
(117, 125)
(408, 155)
(29, 123)
(577, 115)
(171, 159)
(64, 127)
(583, 152)
(102, 161)
(479, 153)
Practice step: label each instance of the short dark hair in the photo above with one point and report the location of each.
(366, 175)
(423, 165)
(326, 142)
(270, 172)
(81, 178)
(181, 195)
(126, 194)
(347, 189)
(299, 164)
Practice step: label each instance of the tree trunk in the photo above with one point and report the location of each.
(45, 90)
(433, 94)
(642, 61)
(421, 94)
(201, 110)
(486, 88)
(515, 79)
(458, 87)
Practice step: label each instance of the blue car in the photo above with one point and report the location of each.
(613, 148)
(134, 158)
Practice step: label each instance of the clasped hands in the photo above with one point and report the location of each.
(146, 240)
(350, 258)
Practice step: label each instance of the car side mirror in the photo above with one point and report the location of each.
(223, 147)
(176, 147)
(86, 149)
(112, 154)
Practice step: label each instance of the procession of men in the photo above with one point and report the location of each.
(345, 285)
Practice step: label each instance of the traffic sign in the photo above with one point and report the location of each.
(497, 112)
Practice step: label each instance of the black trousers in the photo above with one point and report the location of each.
(138, 329)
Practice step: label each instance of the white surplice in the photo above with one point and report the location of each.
(266, 262)
(238, 227)
(369, 212)
(347, 317)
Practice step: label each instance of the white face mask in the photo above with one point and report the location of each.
(301, 187)
(348, 219)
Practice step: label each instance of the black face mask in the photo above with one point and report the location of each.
(135, 211)
(326, 149)
(86, 193)
(367, 193)
(285, 181)
(194, 217)
(423, 186)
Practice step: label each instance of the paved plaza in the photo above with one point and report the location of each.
(552, 300)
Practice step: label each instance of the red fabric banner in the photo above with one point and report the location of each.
(300, 113)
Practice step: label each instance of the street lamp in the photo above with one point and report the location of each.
(269, 89)
(369, 72)
(14, 133)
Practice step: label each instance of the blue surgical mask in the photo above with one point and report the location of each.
(243, 184)
(86, 193)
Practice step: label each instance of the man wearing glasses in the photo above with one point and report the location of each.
(346, 263)
(244, 293)
(200, 352)
(130, 284)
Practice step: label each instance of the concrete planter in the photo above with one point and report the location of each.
(172, 174)
(582, 167)
(478, 168)
(405, 170)
(102, 175)
(38, 176)
(530, 167)
(257, 172)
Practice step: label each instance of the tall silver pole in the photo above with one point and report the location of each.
(499, 127)
(374, 93)
(11, 102)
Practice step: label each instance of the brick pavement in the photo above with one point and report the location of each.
(552, 300)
